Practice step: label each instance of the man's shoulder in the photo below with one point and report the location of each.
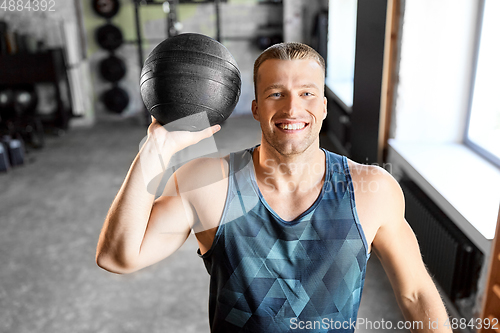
(208, 166)
(201, 163)
(372, 179)
(379, 198)
(359, 169)
(202, 172)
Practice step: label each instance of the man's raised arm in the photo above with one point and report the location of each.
(130, 239)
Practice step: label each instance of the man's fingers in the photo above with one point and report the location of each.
(180, 139)
(215, 128)
(154, 125)
(206, 133)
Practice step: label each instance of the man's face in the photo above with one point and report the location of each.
(290, 104)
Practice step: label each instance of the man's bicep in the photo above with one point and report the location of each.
(396, 245)
(173, 214)
(168, 227)
(397, 248)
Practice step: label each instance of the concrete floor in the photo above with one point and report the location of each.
(51, 212)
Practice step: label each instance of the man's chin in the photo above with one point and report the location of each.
(289, 148)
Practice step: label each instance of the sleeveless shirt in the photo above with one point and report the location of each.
(272, 275)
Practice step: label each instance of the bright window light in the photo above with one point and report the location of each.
(484, 122)
(341, 48)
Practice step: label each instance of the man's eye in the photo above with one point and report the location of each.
(308, 94)
(276, 94)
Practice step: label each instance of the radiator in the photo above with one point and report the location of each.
(451, 258)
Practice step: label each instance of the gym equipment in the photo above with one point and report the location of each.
(106, 8)
(189, 74)
(29, 70)
(31, 131)
(4, 159)
(109, 37)
(116, 99)
(112, 69)
(7, 110)
(15, 149)
(25, 100)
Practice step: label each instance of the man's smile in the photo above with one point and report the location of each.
(287, 126)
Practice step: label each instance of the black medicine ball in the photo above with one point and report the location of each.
(189, 74)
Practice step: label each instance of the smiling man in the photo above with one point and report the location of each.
(286, 234)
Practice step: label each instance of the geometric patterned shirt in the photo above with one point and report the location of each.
(272, 275)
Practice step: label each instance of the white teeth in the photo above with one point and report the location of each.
(295, 126)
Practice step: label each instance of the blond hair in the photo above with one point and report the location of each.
(286, 51)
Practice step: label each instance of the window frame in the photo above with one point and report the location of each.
(477, 42)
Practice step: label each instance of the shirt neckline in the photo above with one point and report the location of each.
(296, 220)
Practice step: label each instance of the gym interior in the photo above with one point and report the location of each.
(410, 87)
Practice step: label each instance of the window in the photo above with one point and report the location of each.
(483, 130)
(341, 49)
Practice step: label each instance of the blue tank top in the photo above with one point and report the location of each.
(271, 275)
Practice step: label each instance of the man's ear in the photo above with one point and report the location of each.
(254, 110)
(325, 112)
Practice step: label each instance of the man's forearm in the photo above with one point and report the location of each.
(124, 227)
(426, 307)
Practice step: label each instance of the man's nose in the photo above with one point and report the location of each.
(292, 104)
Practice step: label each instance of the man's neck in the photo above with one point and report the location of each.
(289, 173)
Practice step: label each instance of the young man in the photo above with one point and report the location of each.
(286, 234)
